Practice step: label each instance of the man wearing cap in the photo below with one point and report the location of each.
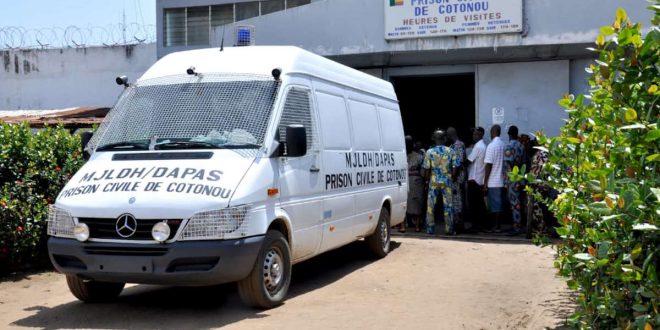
(514, 155)
(494, 174)
(440, 164)
(476, 175)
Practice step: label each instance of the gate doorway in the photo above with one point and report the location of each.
(431, 102)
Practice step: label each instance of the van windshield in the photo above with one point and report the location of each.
(190, 112)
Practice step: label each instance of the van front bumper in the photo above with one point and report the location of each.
(188, 263)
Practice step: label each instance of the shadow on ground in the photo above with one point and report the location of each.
(158, 307)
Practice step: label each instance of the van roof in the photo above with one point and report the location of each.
(262, 60)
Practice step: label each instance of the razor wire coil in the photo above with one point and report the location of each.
(72, 36)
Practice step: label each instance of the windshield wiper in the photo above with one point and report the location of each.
(186, 145)
(124, 145)
(241, 146)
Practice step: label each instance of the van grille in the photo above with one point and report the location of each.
(105, 228)
(143, 251)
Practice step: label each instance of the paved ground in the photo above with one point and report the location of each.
(422, 284)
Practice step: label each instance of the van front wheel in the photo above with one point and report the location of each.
(379, 241)
(93, 291)
(268, 282)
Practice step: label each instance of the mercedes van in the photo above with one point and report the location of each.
(231, 165)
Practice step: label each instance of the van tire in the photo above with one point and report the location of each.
(254, 289)
(93, 291)
(379, 242)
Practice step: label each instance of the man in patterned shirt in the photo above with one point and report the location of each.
(458, 147)
(440, 164)
(514, 155)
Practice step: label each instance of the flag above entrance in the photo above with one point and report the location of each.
(434, 18)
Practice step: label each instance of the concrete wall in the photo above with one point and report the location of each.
(63, 78)
(162, 4)
(347, 27)
(527, 91)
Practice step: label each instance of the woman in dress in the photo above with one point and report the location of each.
(416, 186)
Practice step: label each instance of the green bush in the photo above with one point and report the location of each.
(34, 166)
(604, 164)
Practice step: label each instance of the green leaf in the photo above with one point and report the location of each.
(607, 30)
(565, 103)
(602, 262)
(603, 249)
(652, 135)
(639, 308)
(572, 284)
(636, 251)
(653, 158)
(562, 231)
(573, 140)
(621, 15)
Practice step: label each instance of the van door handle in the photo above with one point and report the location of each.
(314, 169)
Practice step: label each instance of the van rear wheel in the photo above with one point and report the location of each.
(268, 283)
(93, 291)
(379, 241)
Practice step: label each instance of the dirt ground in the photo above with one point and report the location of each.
(422, 284)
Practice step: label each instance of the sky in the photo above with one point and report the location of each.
(93, 18)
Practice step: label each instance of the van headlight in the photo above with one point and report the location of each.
(60, 222)
(216, 224)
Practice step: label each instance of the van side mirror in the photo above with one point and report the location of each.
(296, 141)
(84, 140)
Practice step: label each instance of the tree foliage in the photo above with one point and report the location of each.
(604, 165)
(34, 166)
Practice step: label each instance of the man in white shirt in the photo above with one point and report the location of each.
(494, 176)
(476, 176)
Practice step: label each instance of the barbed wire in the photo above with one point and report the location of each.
(16, 37)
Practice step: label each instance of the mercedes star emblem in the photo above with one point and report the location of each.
(126, 225)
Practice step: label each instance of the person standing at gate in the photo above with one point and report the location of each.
(514, 155)
(458, 147)
(494, 175)
(416, 189)
(476, 174)
(440, 164)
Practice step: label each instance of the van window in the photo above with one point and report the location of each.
(366, 134)
(298, 110)
(392, 131)
(334, 121)
(219, 110)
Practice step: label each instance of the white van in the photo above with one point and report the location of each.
(221, 166)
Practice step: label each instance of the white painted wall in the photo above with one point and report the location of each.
(72, 77)
(528, 92)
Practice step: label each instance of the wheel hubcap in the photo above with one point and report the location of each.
(384, 235)
(273, 270)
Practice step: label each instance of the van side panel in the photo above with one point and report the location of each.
(364, 161)
(339, 204)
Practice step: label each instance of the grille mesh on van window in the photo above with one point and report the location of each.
(226, 110)
(297, 110)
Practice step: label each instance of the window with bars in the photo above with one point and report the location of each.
(197, 26)
(271, 6)
(298, 110)
(192, 26)
(222, 14)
